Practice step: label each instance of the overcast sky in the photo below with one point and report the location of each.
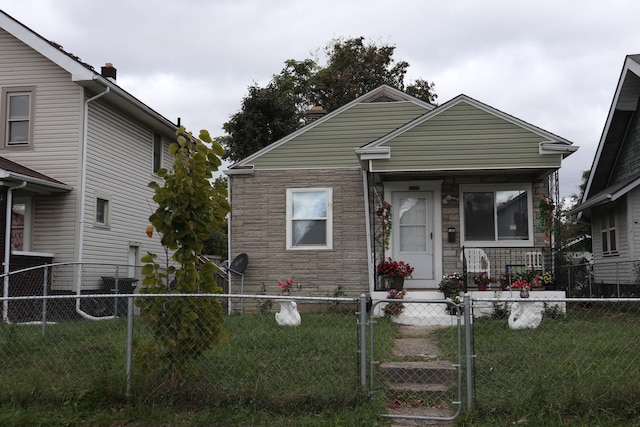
(552, 63)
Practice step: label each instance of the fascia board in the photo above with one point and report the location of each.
(553, 147)
(374, 153)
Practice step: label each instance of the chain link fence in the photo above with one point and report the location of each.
(419, 374)
(65, 347)
(423, 358)
(581, 360)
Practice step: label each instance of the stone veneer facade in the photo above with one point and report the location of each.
(258, 228)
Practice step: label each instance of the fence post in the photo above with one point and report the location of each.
(468, 350)
(129, 343)
(44, 302)
(362, 326)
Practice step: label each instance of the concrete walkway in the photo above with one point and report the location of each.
(414, 344)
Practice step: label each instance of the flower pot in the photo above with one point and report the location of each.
(397, 283)
(524, 293)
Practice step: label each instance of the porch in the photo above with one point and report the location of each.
(495, 267)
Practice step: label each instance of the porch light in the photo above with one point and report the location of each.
(449, 198)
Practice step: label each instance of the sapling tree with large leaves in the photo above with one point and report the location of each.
(189, 210)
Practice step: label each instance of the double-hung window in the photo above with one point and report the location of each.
(17, 116)
(309, 218)
(497, 215)
(608, 232)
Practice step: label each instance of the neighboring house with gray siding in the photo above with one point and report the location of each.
(611, 200)
(76, 155)
(305, 206)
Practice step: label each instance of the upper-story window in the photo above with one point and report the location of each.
(17, 116)
(309, 218)
(497, 215)
(608, 232)
(157, 152)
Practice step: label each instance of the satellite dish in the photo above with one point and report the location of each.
(239, 264)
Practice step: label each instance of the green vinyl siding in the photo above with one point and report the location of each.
(466, 137)
(628, 163)
(332, 143)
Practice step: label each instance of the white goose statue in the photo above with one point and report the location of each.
(523, 318)
(288, 314)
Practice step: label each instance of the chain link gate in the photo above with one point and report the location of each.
(418, 379)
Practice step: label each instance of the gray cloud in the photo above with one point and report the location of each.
(552, 63)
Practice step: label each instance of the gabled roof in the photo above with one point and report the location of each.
(462, 134)
(554, 145)
(84, 75)
(35, 181)
(382, 94)
(625, 101)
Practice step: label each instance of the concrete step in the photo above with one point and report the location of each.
(428, 372)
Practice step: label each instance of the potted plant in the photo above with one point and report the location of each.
(527, 281)
(482, 281)
(393, 273)
(451, 287)
(394, 308)
(451, 284)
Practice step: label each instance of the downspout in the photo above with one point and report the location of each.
(7, 249)
(83, 186)
(365, 183)
(229, 245)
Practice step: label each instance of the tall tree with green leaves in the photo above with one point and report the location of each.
(353, 68)
(189, 210)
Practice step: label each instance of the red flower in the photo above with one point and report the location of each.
(391, 268)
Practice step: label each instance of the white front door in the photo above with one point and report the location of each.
(412, 234)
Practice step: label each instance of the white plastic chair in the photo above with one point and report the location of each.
(534, 261)
(477, 261)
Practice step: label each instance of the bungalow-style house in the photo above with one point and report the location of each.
(76, 154)
(611, 200)
(463, 174)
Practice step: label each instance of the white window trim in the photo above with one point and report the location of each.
(4, 125)
(493, 188)
(107, 214)
(289, 229)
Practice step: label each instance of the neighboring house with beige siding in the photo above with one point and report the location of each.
(76, 155)
(611, 200)
(305, 206)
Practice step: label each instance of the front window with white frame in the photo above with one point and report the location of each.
(497, 215)
(17, 116)
(309, 218)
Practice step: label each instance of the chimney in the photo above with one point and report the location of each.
(109, 71)
(316, 112)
